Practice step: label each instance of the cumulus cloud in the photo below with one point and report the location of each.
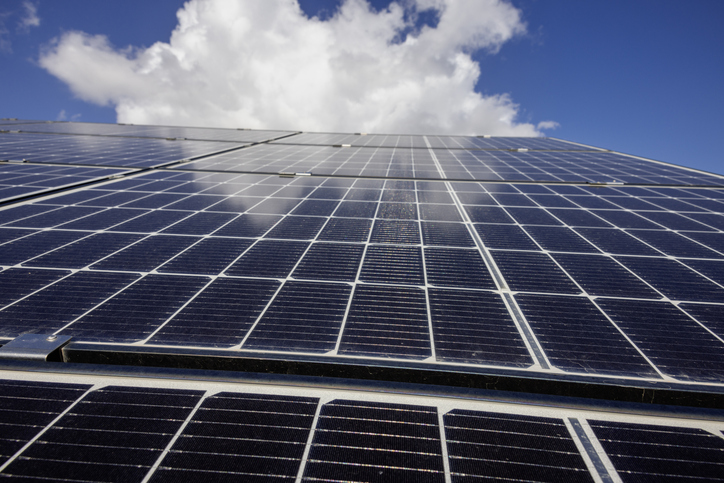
(254, 64)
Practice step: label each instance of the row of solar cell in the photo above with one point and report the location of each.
(132, 433)
(439, 225)
(127, 130)
(102, 151)
(369, 320)
(388, 162)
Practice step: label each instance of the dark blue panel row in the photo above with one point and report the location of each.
(491, 446)
(112, 434)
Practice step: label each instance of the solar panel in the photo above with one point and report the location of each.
(165, 132)
(530, 265)
(183, 430)
(102, 151)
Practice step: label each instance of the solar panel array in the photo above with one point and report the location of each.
(105, 431)
(526, 257)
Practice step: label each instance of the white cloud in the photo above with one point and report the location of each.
(63, 116)
(30, 17)
(548, 125)
(266, 65)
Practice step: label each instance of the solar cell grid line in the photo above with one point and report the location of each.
(101, 151)
(504, 446)
(648, 452)
(248, 435)
(678, 345)
(28, 408)
(519, 321)
(304, 317)
(113, 433)
(572, 343)
(364, 441)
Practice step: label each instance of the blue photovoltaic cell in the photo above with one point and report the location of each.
(677, 345)
(274, 206)
(505, 236)
(112, 434)
(346, 230)
(16, 283)
(147, 254)
(387, 322)
(9, 234)
(103, 219)
(552, 201)
(673, 279)
(315, 208)
(533, 272)
(356, 209)
(253, 437)
(195, 203)
(248, 226)
(559, 239)
(155, 201)
(439, 213)
(392, 264)
(399, 232)
(28, 407)
(508, 199)
(644, 452)
(715, 241)
(450, 267)
(470, 198)
(269, 258)
(715, 220)
(208, 257)
(220, 315)
(304, 316)
(31, 246)
(396, 211)
(713, 269)
(446, 234)
(631, 203)
(626, 219)
(84, 252)
(328, 193)
(200, 224)
(591, 202)
(20, 212)
(55, 217)
(102, 198)
(672, 244)
(475, 327)
(137, 311)
(369, 441)
(674, 221)
(434, 196)
(488, 214)
(400, 196)
(711, 316)
(55, 306)
(601, 275)
(674, 205)
(152, 222)
(297, 228)
(577, 337)
(363, 195)
(532, 216)
(485, 446)
(330, 261)
(578, 218)
(611, 240)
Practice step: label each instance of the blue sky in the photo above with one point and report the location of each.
(641, 77)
